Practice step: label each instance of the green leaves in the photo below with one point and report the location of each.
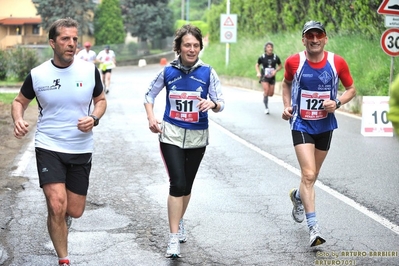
(148, 19)
(17, 63)
(108, 25)
(3, 64)
(80, 10)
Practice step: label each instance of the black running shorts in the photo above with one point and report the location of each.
(58, 167)
(106, 71)
(321, 141)
(271, 80)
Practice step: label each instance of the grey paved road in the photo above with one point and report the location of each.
(240, 210)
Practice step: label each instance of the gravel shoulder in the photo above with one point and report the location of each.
(10, 148)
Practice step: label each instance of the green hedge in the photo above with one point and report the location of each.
(16, 63)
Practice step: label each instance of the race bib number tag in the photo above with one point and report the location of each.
(268, 71)
(312, 104)
(374, 117)
(183, 105)
(110, 65)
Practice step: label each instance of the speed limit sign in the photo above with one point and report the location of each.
(390, 42)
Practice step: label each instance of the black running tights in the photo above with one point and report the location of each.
(182, 166)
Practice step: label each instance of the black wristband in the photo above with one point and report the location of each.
(216, 105)
(96, 119)
(338, 103)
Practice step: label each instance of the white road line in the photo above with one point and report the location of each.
(25, 158)
(383, 221)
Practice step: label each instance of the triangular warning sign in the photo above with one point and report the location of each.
(228, 22)
(389, 7)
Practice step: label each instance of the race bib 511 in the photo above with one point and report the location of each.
(183, 105)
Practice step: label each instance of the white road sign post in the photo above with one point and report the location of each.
(390, 41)
(375, 108)
(392, 21)
(228, 31)
(228, 28)
(389, 7)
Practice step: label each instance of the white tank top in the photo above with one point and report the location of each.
(64, 95)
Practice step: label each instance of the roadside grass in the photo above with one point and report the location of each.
(7, 97)
(10, 82)
(369, 65)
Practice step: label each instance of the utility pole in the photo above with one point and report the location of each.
(188, 11)
(182, 9)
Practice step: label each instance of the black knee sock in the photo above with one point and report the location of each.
(266, 101)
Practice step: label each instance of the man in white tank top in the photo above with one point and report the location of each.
(71, 102)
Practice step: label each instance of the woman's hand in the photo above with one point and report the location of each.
(205, 105)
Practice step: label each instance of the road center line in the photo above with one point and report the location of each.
(378, 218)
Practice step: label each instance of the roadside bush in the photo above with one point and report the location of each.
(3, 65)
(133, 48)
(378, 83)
(203, 26)
(23, 60)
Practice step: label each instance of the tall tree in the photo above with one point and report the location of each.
(148, 19)
(191, 9)
(80, 10)
(108, 25)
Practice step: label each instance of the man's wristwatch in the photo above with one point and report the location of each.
(338, 103)
(96, 119)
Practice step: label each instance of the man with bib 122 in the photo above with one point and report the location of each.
(310, 97)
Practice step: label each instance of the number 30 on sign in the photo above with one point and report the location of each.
(390, 42)
(374, 117)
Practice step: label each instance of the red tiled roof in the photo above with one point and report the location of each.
(20, 21)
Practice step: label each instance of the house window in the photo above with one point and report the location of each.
(35, 29)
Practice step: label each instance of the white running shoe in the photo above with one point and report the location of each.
(173, 250)
(182, 232)
(298, 213)
(267, 111)
(315, 237)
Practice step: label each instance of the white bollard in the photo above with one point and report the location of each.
(142, 63)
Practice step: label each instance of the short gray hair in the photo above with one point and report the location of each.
(59, 23)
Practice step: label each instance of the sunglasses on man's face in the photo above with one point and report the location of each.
(318, 34)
